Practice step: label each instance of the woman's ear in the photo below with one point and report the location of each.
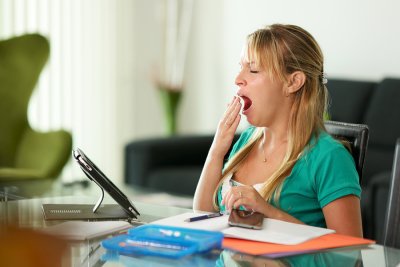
(296, 80)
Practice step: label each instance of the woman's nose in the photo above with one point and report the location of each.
(239, 81)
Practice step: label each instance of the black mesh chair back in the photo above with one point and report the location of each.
(392, 226)
(354, 137)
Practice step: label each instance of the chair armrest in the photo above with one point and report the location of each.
(143, 156)
(46, 152)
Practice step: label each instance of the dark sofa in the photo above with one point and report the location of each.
(174, 164)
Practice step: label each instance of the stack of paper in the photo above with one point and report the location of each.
(81, 230)
(274, 231)
(276, 237)
(277, 250)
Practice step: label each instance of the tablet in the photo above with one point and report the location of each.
(94, 174)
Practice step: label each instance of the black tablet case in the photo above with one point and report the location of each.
(82, 212)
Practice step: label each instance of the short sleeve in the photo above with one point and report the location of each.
(335, 175)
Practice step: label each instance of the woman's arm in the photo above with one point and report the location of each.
(344, 216)
(210, 176)
(212, 170)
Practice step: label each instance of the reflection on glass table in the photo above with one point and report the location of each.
(340, 258)
(27, 214)
(337, 257)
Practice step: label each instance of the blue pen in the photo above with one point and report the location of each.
(203, 217)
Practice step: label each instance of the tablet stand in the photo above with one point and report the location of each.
(100, 200)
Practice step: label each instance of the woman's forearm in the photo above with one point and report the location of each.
(270, 211)
(209, 178)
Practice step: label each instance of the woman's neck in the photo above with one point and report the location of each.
(273, 137)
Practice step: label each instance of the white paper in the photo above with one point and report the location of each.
(279, 232)
(274, 231)
(212, 224)
(81, 230)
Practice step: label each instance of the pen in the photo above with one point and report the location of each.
(203, 217)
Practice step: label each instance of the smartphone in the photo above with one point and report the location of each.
(246, 218)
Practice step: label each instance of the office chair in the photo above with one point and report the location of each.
(354, 137)
(392, 226)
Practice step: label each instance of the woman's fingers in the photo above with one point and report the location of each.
(232, 196)
(231, 113)
(227, 128)
(236, 122)
(245, 196)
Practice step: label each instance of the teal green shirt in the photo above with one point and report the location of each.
(325, 172)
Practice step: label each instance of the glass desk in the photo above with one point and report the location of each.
(28, 214)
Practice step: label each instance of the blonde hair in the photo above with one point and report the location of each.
(281, 50)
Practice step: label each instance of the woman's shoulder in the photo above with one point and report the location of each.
(325, 146)
(325, 143)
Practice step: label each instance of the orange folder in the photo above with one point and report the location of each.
(322, 242)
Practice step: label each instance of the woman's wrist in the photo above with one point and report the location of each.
(216, 154)
(270, 211)
(267, 211)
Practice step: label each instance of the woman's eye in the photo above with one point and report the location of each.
(253, 71)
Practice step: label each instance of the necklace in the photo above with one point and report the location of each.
(263, 148)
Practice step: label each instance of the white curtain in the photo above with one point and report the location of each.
(89, 69)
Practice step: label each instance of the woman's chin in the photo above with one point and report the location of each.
(253, 120)
(248, 116)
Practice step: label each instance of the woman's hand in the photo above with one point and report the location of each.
(226, 128)
(245, 196)
(248, 197)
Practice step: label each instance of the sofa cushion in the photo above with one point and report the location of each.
(349, 99)
(144, 157)
(377, 159)
(383, 113)
(382, 117)
(177, 180)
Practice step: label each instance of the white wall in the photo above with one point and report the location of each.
(359, 39)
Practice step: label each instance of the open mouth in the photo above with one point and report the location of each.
(246, 102)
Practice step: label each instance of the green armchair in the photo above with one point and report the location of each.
(26, 154)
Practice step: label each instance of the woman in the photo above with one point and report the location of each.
(285, 165)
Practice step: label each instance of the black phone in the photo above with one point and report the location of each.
(246, 218)
(96, 175)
